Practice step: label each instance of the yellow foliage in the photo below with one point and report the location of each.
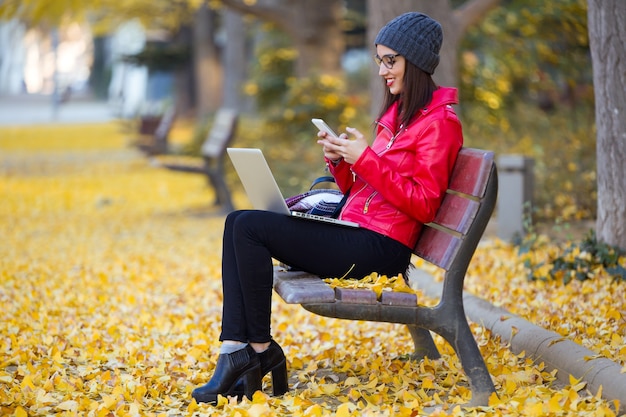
(111, 304)
(373, 282)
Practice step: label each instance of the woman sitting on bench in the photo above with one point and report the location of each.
(393, 186)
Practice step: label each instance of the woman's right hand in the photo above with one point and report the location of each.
(350, 150)
(328, 154)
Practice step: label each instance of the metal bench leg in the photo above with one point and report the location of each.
(221, 192)
(462, 340)
(214, 183)
(424, 344)
(160, 145)
(216, 180)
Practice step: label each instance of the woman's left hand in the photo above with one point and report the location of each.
(349, 149)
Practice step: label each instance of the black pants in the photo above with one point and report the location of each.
(252, 238)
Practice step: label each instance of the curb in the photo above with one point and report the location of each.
(556, 351)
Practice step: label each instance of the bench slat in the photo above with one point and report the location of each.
(471, 172)
(392, 298)
(221, 133)
(355, 296)
(469, 177)
(301, 287)
(304, 288)
(437, 247)
(457, 213)
(166, 124)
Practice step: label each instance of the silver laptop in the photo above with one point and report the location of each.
(261, 187)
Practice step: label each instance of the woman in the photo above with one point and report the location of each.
(393, 187)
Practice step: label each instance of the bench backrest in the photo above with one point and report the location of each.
(165, 124)
(221, 134)
(464, 212)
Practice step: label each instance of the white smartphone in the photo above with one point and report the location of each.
(322, 126)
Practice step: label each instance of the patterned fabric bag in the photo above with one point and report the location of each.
(320, 201)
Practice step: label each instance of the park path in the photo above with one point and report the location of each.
(38, 109)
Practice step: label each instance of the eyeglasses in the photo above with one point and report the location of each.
(388, 60)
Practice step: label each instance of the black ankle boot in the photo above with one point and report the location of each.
(242, 365)
(272, 360)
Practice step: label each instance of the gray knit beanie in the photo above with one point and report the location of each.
(416, 37)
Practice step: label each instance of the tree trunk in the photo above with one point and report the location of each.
(208, 72)
(453, 22)
(317, 35)
(313, 26)
(447, 72)
(235, 60)
(607, 31)
(379, 13)
(183, 94)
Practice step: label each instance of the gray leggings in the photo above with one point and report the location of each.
(252, 238)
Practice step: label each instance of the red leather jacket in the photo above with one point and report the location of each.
(399, 181)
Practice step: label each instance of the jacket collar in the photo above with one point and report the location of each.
(443, 96)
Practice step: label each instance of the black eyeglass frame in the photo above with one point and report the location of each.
(388, 60)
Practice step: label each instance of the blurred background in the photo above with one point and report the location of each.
(523, 68)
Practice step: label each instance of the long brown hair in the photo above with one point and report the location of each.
(417, 92)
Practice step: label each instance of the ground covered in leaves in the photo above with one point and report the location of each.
(111, 304)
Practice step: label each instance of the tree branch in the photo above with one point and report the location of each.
(472, 12)
(269, 10)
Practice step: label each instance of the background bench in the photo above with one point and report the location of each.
(153, 134)
(448, 242)
(213, 152)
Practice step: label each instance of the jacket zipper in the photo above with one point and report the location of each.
(368, 201)
(371, 197)
(393, 138)
(352, 195)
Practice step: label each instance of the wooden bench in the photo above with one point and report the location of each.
(448, 242)
(213, 152)
(154, 140)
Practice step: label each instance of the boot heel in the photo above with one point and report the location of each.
(280, 382)
(252, 382)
